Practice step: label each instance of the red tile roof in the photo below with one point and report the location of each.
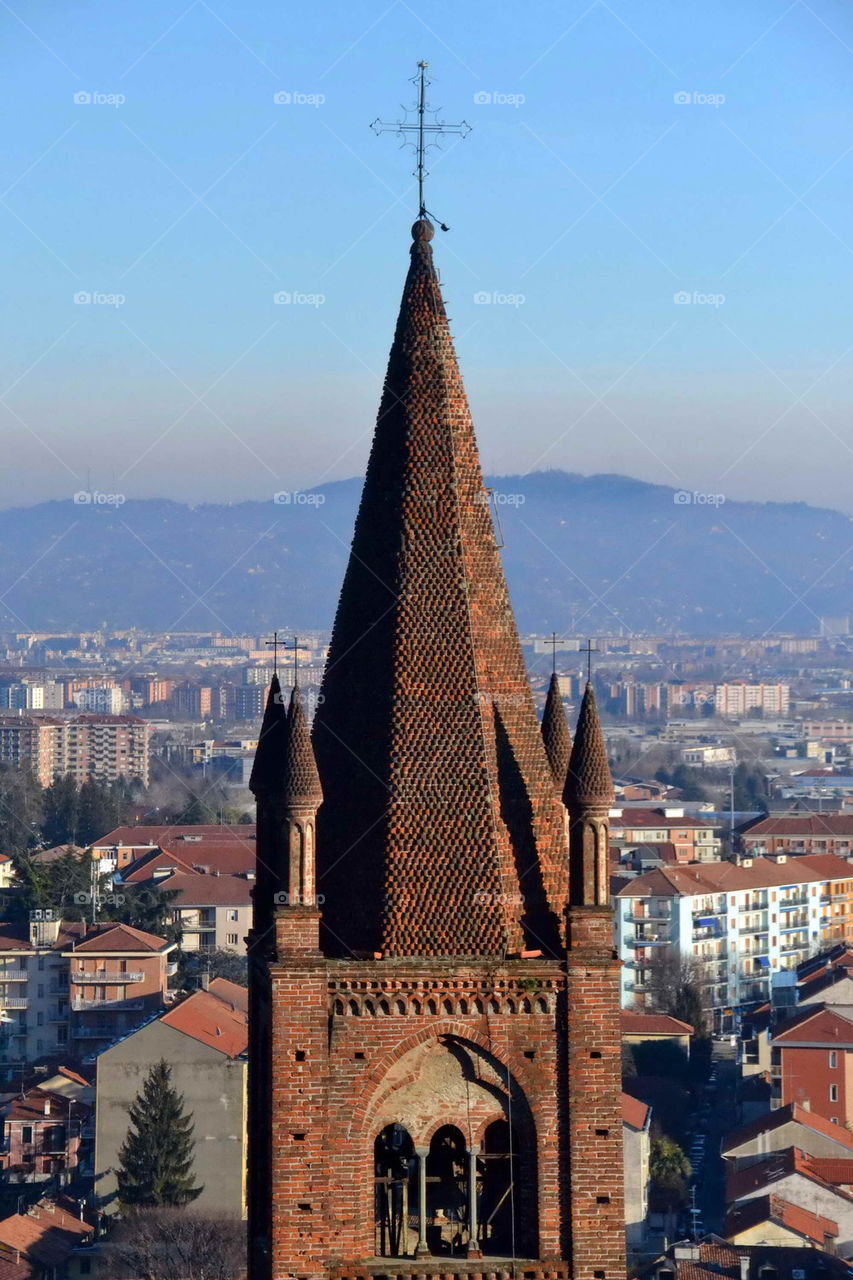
(725, 877)
(634, 1112)
(228, 857)
(45, 1235)
(654, 818)
(140, 837)
(207, 1018)
(740, 1182)
(230, 993)
(824, 1026)
(808, 824)
(31, 1107)
(208, 891)
(793, 1113)
(770, 1208)
(837, 1171)
(120, 937)
(635, 1023)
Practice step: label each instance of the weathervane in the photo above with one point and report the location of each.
(589, 649)
(421, 127)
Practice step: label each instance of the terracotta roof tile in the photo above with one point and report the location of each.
(823, 1026)
(752, 1213)
(208, 891)
(555, 733)
(634, 1112)
(792, 1113)
(207, 1018)
(438, 793)
(635, 1023)
(589, 780)
(120, 937)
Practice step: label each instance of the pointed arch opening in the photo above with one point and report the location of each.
(395, 1192)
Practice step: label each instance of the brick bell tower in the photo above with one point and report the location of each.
(434, 1028)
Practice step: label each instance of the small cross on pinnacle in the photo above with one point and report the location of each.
(421, 127)
(554, 640)
(273, 644)
(589, 649)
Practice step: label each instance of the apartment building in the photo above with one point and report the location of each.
(68, 988)
(117, 977)
(738, 699)
(88, 745)
(212, 912)
(811, 1064)
(682, 839)
(800, 833)
(742, 921)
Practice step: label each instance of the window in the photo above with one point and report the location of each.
(232, 914)
(26, 1134)
(231, 939)
(833, 1058)
(833, 1093)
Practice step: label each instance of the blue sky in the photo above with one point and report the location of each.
(587, 193)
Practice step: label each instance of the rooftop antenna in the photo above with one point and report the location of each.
(421, 127)
(589, 649)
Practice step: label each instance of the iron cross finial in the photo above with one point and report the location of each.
(554, 640)
(589, 649)
(273, 644)
(421, 127)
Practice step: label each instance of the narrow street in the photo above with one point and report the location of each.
(716, 1116)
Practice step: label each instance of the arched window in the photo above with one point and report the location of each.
(499, 1160)
(447, 1193)
(396, 1197)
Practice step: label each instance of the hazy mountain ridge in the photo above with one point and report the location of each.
(595, 552)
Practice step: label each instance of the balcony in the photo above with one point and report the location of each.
(14, 1002)
(710, 911)
(792, 923)
(101, 977)
(13, 975)
(753, 929)
(94, 1033)
(81, 1006)
(650, 940)
(787, 904)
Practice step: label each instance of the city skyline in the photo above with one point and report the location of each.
(661, 273)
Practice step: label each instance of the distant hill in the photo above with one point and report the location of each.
(595, 552)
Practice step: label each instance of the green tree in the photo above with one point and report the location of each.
(669, 1171)
(156, 1157)
(218, 963)
(21, 810)
(61, 811)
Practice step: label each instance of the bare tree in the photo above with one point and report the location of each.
(177, 1244)
(677, 986)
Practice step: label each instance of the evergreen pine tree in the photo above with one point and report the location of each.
(156, 1157)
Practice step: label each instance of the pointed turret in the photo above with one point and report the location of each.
(555, 734)
(266, 769)
(589, 781)
(433, 839)
(588, 796)
(301, 780)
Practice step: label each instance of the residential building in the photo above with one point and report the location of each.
(799, 833)
(814, 1183)
(43, 1133)
(87, 745)
(204, 1039)
(62, 989)
(690, 839)
(709, 757)
(107, 699)
(49, 1240)
(212, 912)
(117, 977)
(770, 1220)
(125, 845)
(742, 921)
(654, 1028)
(714, 1258)
(636, 1122)
(792, 1125)
(811, 1060)
(738, 699)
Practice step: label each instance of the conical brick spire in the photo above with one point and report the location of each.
(556, 735)
(589, 783)
(301, 779)
(267, 766)
(440, 832)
